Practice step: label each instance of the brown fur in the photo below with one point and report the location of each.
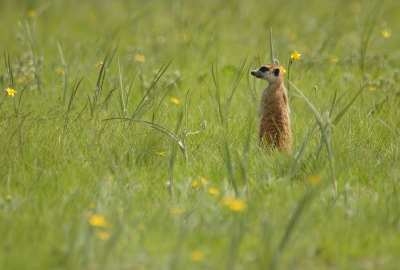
(274, 119)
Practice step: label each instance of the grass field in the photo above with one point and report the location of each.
(131, 140)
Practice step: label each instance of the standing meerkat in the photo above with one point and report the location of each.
(274, 119)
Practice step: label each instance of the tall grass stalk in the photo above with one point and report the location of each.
(237, 233)
(64, 65)
(217, 93)
(122, 104)
(72, 99)
(95, 103)
(9, 70)
(230, 165)
(223, 113)
(244, 157)
(365, 35)
(271, 47)
(294, 221)
(157, 127)
(173, 157)
(149, 96)
(32, 44)
(325, 134)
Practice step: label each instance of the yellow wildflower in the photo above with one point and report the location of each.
(372, 88)
(176, 211)
(315, 179)
(103, 235)
(385, 33)
(20, 79)
(99, 64)
(196, 184)
(197, 256)
(174, 100)
(233, 203)
(283, 70)
(11, 92)
(60, 71)
(334, 59)
(213, 191)
(97, 221)
(295, 56)
(161, 154)
(31, 14)
(140, 58)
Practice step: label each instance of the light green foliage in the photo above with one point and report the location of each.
(131, 142)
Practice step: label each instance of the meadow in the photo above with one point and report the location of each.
(128, 135)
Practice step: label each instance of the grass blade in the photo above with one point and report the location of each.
(157, 127)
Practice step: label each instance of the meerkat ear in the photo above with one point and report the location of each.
(276, 72)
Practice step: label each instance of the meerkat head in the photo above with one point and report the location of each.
(267, 72)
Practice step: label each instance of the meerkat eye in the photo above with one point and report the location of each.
(276, 72)
(264, 69)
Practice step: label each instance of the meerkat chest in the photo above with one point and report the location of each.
(272, 96)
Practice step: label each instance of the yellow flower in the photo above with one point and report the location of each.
(20, 80)
(174, 100)
(99, 64)
(97, 221)
(197, 256)
(213, 191)
(315, 179)
(385, 33)
(196, 184)
(295, 56)
(334, 59)
(31, 14)
(176, 211)
(283, 70)
(372, 88)
(161, 154)
(103, 235)
(233, 203)
(140, 58)
(11, 92)
(60, 71)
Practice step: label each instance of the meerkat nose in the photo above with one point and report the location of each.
(253, 72)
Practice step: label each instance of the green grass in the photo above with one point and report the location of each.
(79, 140)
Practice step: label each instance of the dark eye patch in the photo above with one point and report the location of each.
(264, 69)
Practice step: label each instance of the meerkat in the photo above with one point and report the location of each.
(273, 117)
